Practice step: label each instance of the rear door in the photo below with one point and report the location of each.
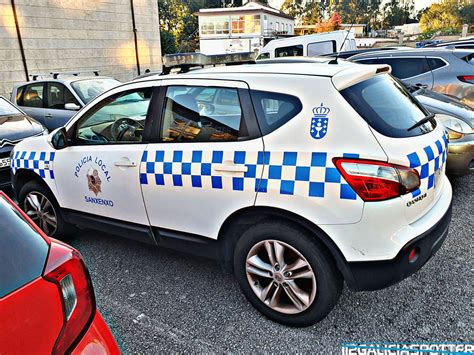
(391, 113)
(30, 308)
(31, 99)
(203, 165)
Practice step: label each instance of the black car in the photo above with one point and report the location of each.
(15, 126)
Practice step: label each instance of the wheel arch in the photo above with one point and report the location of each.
(240, 220)
(23, 176)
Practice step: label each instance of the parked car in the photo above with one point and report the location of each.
(448, 71)
(53, 101)
(309, 45)
(296, 177)
(458, 119)
(47, 301)
(460, 44)
(15, 125)
(351, 53)
(428, 43)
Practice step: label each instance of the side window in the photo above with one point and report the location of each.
(202, 114)
(319, 48)
(264, 55)
(32, 96)
(118, 118)
(436, 63)
(404, 68)
(59, 95)
(273, 109)
(291, 51)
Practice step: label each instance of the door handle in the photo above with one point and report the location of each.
(48, 115)
(125, 163)
(232, 168)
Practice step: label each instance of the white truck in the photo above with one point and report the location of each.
(309, 45)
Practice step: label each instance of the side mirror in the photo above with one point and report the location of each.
(72, 107)
(59, 138)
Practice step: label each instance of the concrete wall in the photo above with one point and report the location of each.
(75, 35)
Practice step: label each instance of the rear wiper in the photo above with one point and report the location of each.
(423, 121)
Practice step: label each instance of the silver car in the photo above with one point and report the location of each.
(448, 71)
(53, 101)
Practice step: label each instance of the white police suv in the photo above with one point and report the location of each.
(297, 177)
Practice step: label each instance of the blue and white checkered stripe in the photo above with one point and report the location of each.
(39, 162)
(286, 173)
(428, 161)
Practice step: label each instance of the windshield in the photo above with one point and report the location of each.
(24, 251)
(90, 88)
(387, 107)
(7, 109)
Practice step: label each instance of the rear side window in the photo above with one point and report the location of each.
(23, 251)
(320, 48)
(290, 51)
(274, 109)
(436, 63)
(387, 107)
(264, 55)
(32, 96)
(402, 68)
(470, 59)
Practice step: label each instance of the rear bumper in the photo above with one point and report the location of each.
(98, 339)
(375, 275)
(461, 156)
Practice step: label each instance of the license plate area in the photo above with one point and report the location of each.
(4, 162)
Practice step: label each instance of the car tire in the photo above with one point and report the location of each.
(292, 296)
(34, 197)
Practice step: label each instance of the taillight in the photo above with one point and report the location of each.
(467, 78)
(67, 270)
(377, 181)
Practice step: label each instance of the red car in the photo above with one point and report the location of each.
(47, 303)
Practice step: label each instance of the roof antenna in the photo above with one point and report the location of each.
(334, 61)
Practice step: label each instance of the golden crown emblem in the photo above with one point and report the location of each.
(321, 110)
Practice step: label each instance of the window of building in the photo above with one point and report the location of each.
(247, 24)
(212, 25)
(290, 51)
(202, 114)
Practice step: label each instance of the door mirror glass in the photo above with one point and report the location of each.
(72, 107)
(59, 138)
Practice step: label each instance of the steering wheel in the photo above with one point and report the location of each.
(122, 125)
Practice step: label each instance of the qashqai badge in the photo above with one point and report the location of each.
(319, 122)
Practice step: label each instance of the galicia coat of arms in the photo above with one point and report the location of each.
(93, 181)
(319, 122)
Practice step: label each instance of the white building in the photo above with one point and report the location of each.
(241, 29)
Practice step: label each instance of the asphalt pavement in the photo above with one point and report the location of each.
(157, 300)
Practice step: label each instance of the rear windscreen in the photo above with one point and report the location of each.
(387, 107)
(23, 251)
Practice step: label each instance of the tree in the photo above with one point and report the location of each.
(445, 16)
(396, 14)
(333, 24)
(292, 8)
(168, 42)
(311, 14)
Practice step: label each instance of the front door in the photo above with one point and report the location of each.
(208, 160)
(56, 114)
(98, 173)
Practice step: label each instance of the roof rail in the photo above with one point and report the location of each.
(55, 75)
(186, 61)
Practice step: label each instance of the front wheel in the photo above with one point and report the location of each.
(286, 274)
(41, 206)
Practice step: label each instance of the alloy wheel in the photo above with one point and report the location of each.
(41, 211)
(280, 276)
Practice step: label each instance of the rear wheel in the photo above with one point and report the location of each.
(286, 274)
(41, 206)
